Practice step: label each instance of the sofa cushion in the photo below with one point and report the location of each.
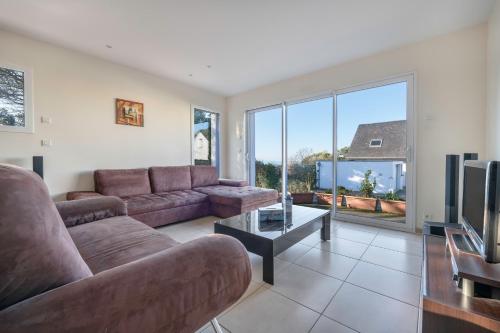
(122, 182)
(117, 241)
(203, 175)
(184, 198)
(238, 196)
(144, 203)
(233, 182)
(170, 178)
(37, 253)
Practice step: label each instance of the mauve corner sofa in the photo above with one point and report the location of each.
(162, 195)
(85, 266)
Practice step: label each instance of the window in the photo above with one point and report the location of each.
(205, 141)
(374, 125)
(376, 143)
(287, 142)
(16, 112)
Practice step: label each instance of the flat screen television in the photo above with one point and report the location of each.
(480, 207)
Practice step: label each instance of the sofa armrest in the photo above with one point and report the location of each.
(176, 290)
(92, 209)
(75, 195)
(233, 182)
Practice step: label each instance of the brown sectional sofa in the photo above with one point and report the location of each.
(85, 266)
(162, 195)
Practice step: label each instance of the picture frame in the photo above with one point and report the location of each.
(129, 112)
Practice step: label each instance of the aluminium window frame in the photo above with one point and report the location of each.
(411, 117)
(411, 130)
(250, 139)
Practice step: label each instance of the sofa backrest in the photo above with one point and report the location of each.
(36, 251)
(203, 175)
(122, 182)
(170, 178)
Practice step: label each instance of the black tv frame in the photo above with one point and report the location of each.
(486, 244)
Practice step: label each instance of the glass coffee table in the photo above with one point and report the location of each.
(268, 239)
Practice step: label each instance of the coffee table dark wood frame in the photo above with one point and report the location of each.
(269, 248)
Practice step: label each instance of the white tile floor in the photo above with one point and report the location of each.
(364, 279)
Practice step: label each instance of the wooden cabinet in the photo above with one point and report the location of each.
(445, 307)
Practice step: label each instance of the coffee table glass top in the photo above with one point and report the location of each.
(249, 222)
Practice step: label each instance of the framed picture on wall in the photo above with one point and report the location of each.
(129, 113)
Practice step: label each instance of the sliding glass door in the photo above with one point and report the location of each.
(350, 152)
(309, 142)
(374, 167)
(265, 147)
(309, 150)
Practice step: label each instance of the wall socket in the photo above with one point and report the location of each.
(428, 217)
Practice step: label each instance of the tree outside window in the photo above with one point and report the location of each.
(15, 95)
(12, 98)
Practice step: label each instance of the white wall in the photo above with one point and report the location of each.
(350, 174)
(493, 77)
(450, 104)
(78, 92)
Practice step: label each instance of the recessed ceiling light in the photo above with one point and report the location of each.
(109, 46)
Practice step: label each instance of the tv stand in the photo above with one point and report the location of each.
(473, 275)
(449, 302)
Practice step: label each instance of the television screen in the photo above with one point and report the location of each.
(473, 198)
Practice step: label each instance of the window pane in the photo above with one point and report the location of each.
(12, 111)
(371, 143)
(267, 149)
(310, 142)
(205, 138)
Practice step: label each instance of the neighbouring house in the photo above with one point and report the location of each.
(379, 147)
(200, 147)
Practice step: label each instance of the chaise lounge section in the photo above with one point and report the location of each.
(162, 195)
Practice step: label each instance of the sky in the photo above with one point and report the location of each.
(310, 124)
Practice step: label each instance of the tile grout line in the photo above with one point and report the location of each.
(340, 287)
(341, 254)
(391, 268)
(397, 251)
(353, 284)
(379, 293)
(397, 270)
(265, 286)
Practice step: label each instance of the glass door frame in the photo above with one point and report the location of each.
(409, 224)
(250, 139)
(250, 142)
(410, 80)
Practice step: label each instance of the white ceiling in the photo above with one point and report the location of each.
(247, 43)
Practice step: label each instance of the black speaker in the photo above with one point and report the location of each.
(471, 156)
(451, 189)
(38, 165)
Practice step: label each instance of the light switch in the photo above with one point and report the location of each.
(47, 142)
(46, 120)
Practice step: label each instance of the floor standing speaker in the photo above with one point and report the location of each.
(38, 165)
(451, 189)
